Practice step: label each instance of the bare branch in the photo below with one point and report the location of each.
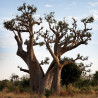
(39, 43)
(20, 51)
(47, 37)
(80, 58)
(65, 49)
(52, 54)
(67, 62)
(38, 31)
(38, 23)
(52, 28)
(24, 70)
(19, 34)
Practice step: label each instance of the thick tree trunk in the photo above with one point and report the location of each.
(52, 80)
(57, 80)
(35, 76)
(35, 70)
(47, 80)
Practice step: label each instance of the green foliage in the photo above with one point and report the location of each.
(88, 20)
(85, 90)
(9, 97)
(93, 83)
(17, 23)
(25, 82)
(50, 17)
(14, 77)
(48, 93)
(15, 85)
(96, 88)
(46, 61)
(9, 24)
(95, 78)
(5, 84)
(82, 83)
(70, 73)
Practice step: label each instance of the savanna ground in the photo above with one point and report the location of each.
(18, 87)
(70, 92)
(27, 95)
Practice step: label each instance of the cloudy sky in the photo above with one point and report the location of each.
(62, 8)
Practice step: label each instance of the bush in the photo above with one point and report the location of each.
(82, 83)
(5, 84)
(70, 74)
(16, 86)
(48, 93)
(85, 90)
(25, 83)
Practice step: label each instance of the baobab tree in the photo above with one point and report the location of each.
(64, 39)
(21, 24)
(60, 36)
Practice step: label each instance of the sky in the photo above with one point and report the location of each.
(63, 8)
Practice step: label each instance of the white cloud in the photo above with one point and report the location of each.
(48, 5)
(93, 4)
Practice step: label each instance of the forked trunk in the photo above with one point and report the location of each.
(47, 80)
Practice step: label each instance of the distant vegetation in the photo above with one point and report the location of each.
(71, 85)
(15, 84)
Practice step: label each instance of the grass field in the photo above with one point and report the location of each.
(27, 95)
(69, 92)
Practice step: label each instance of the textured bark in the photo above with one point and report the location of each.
(36, 72)
(35, 76)
(56, 80)
(47, 80)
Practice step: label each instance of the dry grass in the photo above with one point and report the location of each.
(14, 95)
(27, 95)
(70, 92)
(76, 96)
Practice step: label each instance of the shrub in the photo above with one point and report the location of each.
(25, 80)
(82, 83)
(70, 74)
(48, 93)
(85, 90)
(69, 89)
(5, 84)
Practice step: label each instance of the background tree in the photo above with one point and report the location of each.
(14, 77)
(95, 78)
(70, 73)
(62, 37)
(85, 69)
